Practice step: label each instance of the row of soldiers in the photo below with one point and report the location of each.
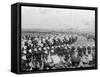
(43, 53)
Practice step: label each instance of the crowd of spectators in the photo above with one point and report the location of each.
(44, 52)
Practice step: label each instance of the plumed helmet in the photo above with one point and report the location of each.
(24, 51)
(24, 57)
(48, 48)
(30, 50)
(39, 48)
(35, 49)
(25, 47)
(44, 48)
(52, 50)
(65, 47)
(46, 52)
(52, 47)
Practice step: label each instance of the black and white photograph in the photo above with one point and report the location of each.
(49, 38)
(55, 38)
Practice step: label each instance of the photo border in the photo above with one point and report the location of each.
(19, 5)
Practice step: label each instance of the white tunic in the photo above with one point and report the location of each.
(56, 59)
(90, 58)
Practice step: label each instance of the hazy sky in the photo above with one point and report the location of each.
(57, 19)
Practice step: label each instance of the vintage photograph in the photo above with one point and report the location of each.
(56, 38)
